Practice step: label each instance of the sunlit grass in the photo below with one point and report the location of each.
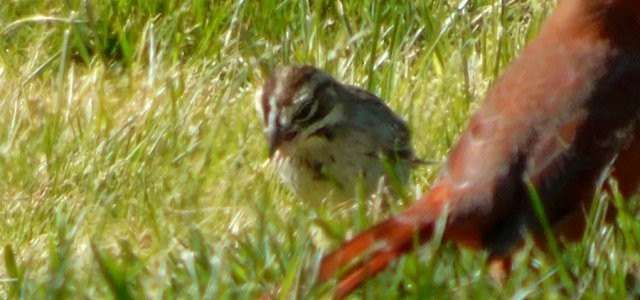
(134, 166)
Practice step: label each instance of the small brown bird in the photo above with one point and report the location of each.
(558, 117)
(326, 137)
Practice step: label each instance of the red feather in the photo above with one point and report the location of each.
(557, 118)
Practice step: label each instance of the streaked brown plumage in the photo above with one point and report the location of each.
(326, 137)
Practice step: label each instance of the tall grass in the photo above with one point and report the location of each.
(133, 165)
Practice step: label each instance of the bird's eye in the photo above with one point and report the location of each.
(306, 111)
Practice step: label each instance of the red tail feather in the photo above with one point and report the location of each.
(377, 247)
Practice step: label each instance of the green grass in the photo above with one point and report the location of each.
(134, 166)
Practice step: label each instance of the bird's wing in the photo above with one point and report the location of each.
(394, 138)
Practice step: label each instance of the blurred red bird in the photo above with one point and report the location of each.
(557, 118)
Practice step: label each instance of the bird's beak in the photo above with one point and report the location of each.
(277, 135)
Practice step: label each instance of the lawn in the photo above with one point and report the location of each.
(133, 164)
